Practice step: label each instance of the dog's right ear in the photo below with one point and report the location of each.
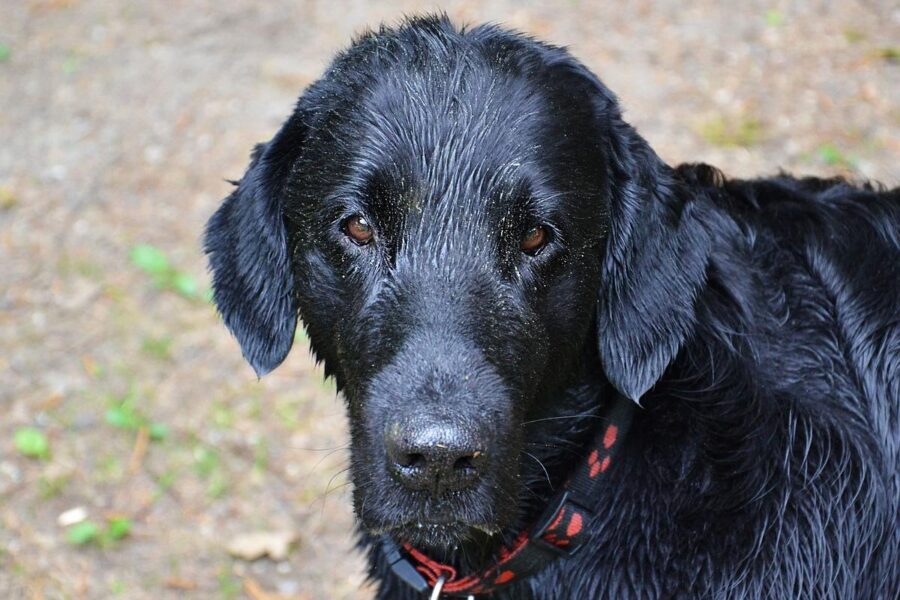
(247, 246)
(657, 250)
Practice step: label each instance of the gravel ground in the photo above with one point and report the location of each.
(120, 122)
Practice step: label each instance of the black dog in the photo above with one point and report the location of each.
(495, 268)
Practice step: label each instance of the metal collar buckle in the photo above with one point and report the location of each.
(436, 592)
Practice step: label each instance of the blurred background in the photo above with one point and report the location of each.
(139, 456)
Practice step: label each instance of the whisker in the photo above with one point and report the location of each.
(328, 489)
(334, 449)
(572, 449)
(321, 460)
(562, 417)
(546, 473)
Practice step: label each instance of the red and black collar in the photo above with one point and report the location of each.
(559, 532)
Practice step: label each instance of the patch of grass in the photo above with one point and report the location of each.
(889, 53)
(83, 533)
(89, 532)
(165, 482)
(115, 293)
(118, 528)
(117, 587)
(32, 442)
(157, 347)
(255, 410)
(732, 133)
(229, 585)
(71, 64)
(223, 415)
(854, 36)
(218, 485)
(206, 460)
(208, 466)
(774, 17)
(51, 487)
(5, 52)
(287, 411)
(123, 414)
(260, 456)
(68, 264)
(8, 200)
(832, 156)
(153, 261)
(110, 468)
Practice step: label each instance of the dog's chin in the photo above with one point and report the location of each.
(441, 537)
(438, 537)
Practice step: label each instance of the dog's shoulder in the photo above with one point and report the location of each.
(807, 200)
(844, 235)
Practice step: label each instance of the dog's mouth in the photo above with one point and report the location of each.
(441, 535)
(434, 529)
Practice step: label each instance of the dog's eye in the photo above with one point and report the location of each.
(534, 240)
(358, 229)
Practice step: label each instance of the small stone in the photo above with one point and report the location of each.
(251, 546)
(72, 516)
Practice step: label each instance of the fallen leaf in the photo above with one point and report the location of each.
(139, 451)
(50, 403)
(177, 583)
(251, 546)
(257, 592)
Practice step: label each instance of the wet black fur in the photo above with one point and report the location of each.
(757, 322)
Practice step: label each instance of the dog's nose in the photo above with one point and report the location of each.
(434, 456)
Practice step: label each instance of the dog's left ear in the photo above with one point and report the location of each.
(654, 266)
(247, 246)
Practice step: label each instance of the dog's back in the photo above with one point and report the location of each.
(801, 315)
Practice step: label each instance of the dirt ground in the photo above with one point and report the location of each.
(120, 122)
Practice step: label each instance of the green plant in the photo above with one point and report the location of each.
(229, 585)
(832, 155)
(51, 487)
(260, 456)
(89, 532)
(165, 481)
(157, 347)
(208, 466)
(153, 261)
(124, 415)
(890, 53)
(8, 199)
(32, 443)
(206, 460)
(730, 133)
(774, 17)
(83, 533)
(117, 528)
(223, 414)
(71, 64)
(854, 36)
(117, 588)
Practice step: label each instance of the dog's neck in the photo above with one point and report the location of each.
(684, 424)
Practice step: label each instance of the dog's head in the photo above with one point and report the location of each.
(467, 228)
